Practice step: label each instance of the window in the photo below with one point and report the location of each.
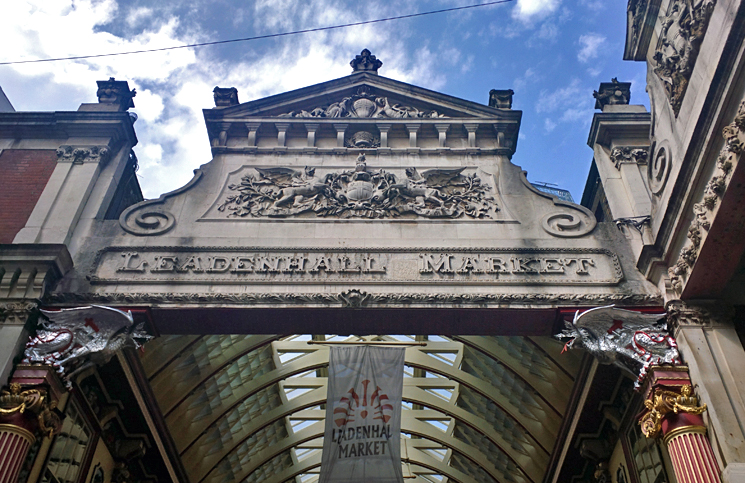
(69, 448)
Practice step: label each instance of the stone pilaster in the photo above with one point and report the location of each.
(712, 350)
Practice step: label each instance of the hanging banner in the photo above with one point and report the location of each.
(362, 441)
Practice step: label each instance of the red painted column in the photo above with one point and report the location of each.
(27, 408)
(674, 415)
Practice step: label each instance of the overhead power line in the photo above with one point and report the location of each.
(260, 37)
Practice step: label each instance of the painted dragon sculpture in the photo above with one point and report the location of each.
(72, 340)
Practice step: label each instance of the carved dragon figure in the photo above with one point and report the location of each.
(629, 340)
(73, 340)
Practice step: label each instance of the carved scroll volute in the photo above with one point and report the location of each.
(148, 218)
(576, 221)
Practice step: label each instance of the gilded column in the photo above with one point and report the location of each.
(27, 408)
(674, 415)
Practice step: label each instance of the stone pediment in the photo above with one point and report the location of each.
(360, 95)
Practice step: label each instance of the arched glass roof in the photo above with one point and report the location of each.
(250, 408)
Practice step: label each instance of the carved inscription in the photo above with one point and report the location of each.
(309, 266)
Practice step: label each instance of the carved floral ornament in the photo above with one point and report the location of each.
(705, 210)
(16, 400)
(683, 29)
(366, 105)
(362, 193)
(629, 155)
(662, 402)
(84, 154)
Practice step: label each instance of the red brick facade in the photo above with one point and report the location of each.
(23, 175)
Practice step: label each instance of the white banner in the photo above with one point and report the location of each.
(362, 441)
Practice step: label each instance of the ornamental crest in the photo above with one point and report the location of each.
(363, 193)
(364, 104)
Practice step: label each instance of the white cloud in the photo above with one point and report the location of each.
(574, 102)
(137, 15)
(174, 86)
(589, 46)
(529, 10)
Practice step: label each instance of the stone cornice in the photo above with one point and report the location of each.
(609, 125)
(354, 298)
(38, 266)
(65, 124)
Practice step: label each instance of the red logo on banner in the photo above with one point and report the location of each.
(352, 404)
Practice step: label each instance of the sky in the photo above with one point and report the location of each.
(552, 53)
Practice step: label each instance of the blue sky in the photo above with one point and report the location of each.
(552, 53)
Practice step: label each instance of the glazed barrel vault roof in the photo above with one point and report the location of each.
(250, 408)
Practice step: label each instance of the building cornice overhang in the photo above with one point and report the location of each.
(66, 124)
(612, 125)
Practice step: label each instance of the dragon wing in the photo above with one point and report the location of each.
(103, 320)
(282, 177)
(441, 177)
(603, 321)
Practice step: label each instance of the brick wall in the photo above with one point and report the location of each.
(23, 175)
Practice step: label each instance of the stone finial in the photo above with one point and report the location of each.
(612, 93)
(225, 96)
(501, 98)
(365, 62)
(115, 92)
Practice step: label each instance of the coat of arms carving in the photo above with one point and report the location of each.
(362, 192)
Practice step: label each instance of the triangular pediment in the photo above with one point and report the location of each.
(361, 95)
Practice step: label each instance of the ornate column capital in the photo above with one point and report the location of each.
(16, 313)
(674, 414)
(705, 314)
(670, 403)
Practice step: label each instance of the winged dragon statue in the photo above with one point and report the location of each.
(72, 340)
(630, 340)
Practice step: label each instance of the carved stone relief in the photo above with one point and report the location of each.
(629, 155)
(683, 29)
(365, 62)
(365, 193)
(659, 168)
(147, 218)
(612, 93)
(83, 154)
(16, 313)
(501, 98)
(703, 211)
(362, 139)
(116, 92)
(364, 104)
(636, 10)
(225, 96)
